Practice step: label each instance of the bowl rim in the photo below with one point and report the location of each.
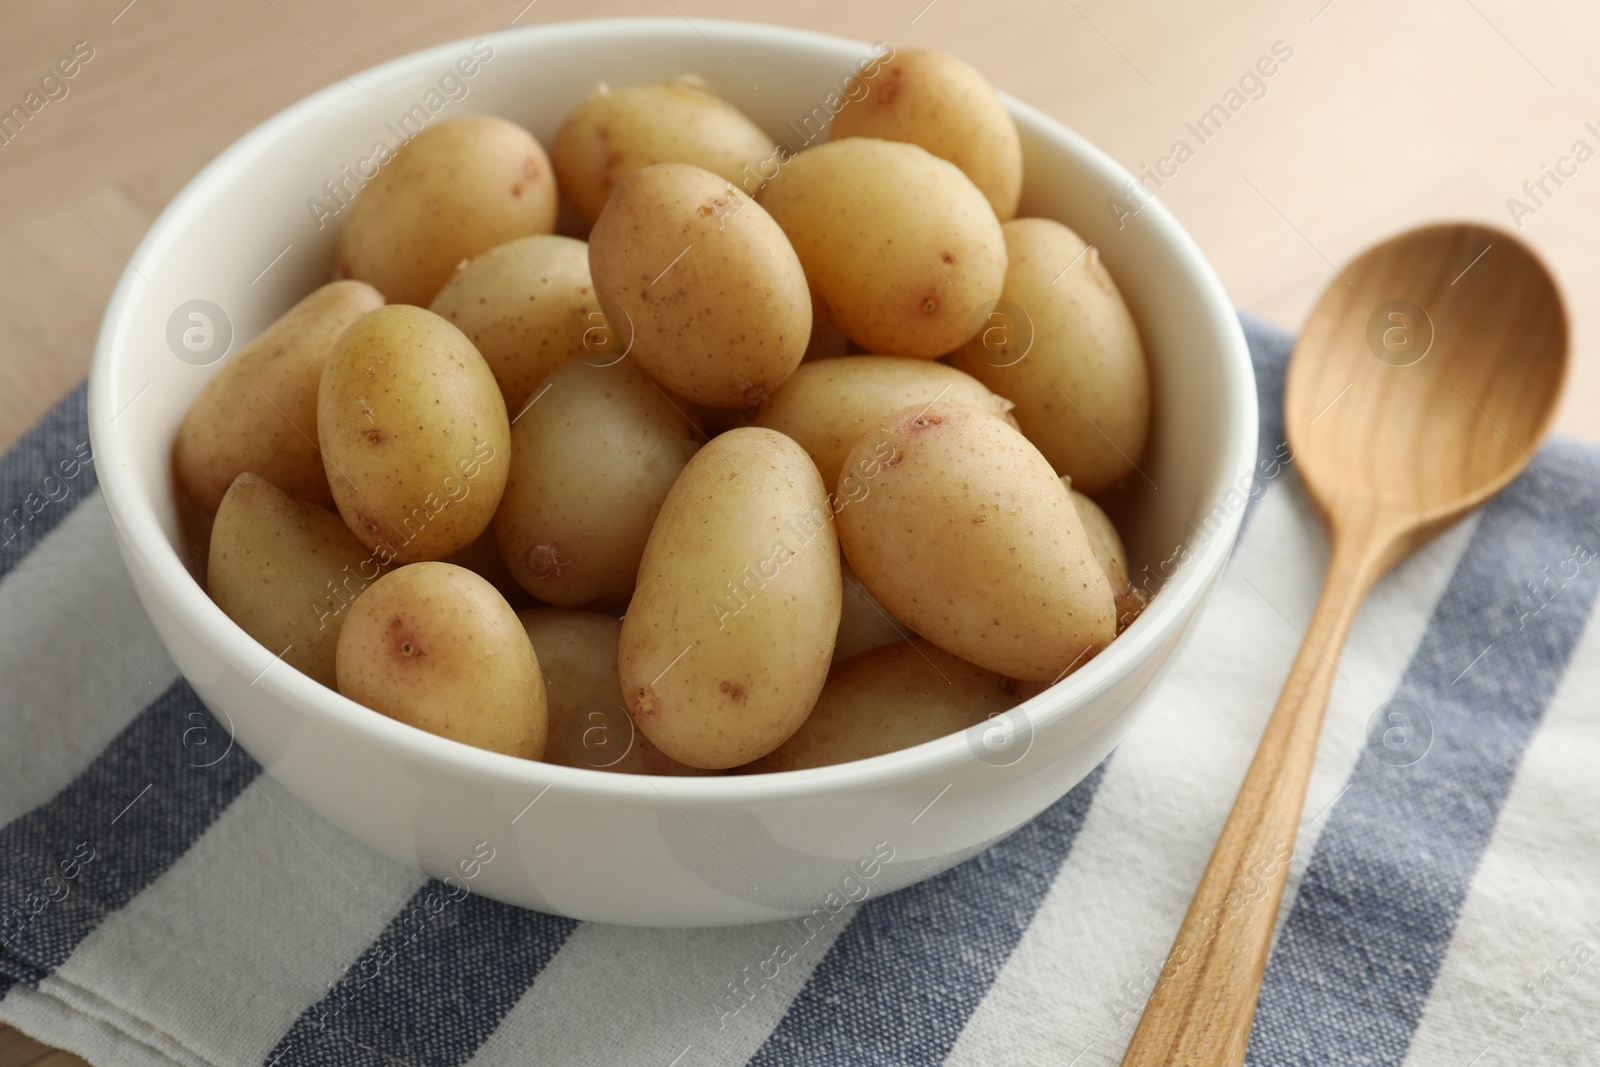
(144, 540)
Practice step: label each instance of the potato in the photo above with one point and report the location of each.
(891, 698)
(826, 405)
(591, 461)
(456, 189)
(727, 641)
(974, 543)
(899, 246)
(589, 727)
(527, 306)
(434, 646)
(1109, 553)
(943, 104)
(614, 133)
(1081, 386)
(415, 437)
(285, 571)
(258, 412)
(717, 299)
(863, 622)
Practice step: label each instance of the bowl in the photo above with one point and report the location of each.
(256, 229)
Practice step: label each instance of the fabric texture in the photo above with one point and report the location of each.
(162, 901)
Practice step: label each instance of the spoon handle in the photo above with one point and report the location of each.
(1204, 1001)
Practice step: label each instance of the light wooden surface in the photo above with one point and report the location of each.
(1401, 422)
(19, 1050)
(1385, 116)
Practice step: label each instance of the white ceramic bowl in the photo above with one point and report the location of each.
(613, 847)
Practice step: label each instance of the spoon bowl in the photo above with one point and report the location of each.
(1425, 378)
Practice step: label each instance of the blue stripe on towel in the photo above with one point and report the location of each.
(1269, 355)
(431, 988)
(1373, 917)
(899, 984)
(35, 490)
(135, 810)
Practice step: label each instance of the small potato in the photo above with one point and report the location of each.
(434, 646)
(728, 638)
(527, 306)
(591, 461)
(863, 622)
(285, 571)
(1082, 388)
(589, 727)
(828, 404)
(456, 189)
(942, 103)
(891, 698)
(258, 413)
(1109, 553)
(616, 132)
(899, 246)
(973, 542)
(718, 302)
(415, 438)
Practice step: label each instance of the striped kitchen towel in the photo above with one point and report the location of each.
(162, 901)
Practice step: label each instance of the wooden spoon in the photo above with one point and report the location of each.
(1422, 384)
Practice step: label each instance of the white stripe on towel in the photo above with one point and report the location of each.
(68, 689)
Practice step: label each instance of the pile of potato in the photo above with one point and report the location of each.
(758, 359)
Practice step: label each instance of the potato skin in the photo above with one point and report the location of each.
(434, 646)
(458, 188)
(942, 103)
(899, 246)
(717, 297)
(974, 543)
(616, 132)
(258, 412)
(891, 698)
(285, 571)
(1085, 361)
(526, 306)
(827, 404)
(589, 727)
(728, 638)
(415, 438)
(591, 462)
(1106, 544)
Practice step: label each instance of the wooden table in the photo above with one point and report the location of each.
(1384, 116)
